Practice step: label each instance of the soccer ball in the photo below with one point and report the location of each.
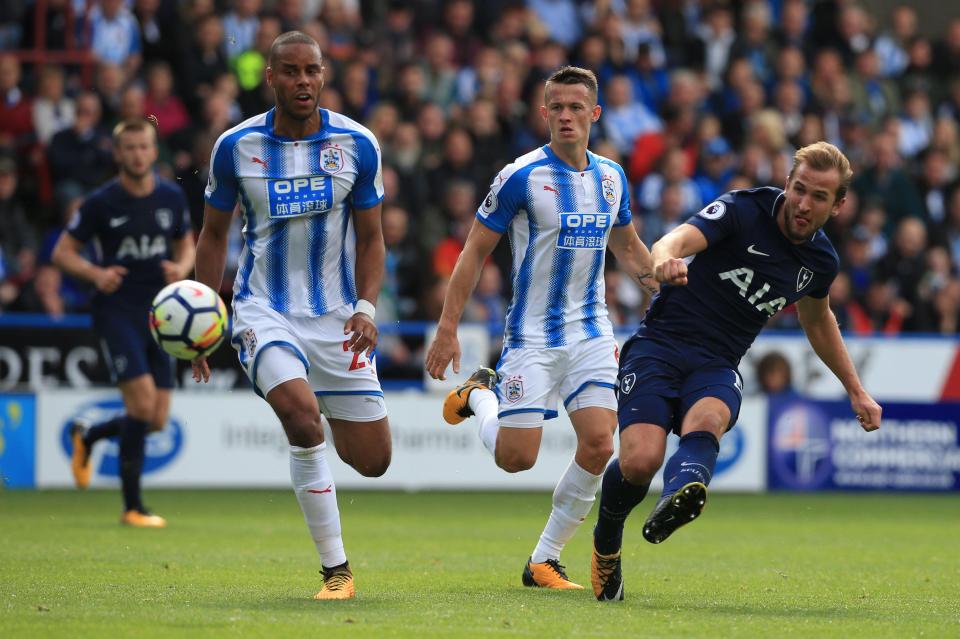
(188, 319)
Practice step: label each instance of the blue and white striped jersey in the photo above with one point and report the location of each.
(296, 198)
(558, 220)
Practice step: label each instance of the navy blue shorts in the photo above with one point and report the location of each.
(130, 350)
(661, 379)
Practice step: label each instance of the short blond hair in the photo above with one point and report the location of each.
(823, 156)
(133, 125)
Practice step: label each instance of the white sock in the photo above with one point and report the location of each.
(485, 406)
(317, 494)
(572, 500)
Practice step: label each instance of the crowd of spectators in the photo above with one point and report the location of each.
(699, 97)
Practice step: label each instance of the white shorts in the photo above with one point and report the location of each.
(533, 380)
(345, 383)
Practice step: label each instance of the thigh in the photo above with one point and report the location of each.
(649, 388)
(591, 364)
(528, 385)
(719, 384)
(258, 330)
(125, 341)
(335, 370)
(364, 445)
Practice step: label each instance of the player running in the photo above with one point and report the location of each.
(756, 252)
(141, 225)
(308, 183)
(562, 206)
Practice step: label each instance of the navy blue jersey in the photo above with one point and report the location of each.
(748, 272)
(134, 232)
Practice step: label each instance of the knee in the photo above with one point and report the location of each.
(141, 407)
(639, 469)
(594, 453)
(515, 461)
(302, 424)
(373, 467)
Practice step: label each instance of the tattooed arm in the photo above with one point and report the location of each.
(634, 259)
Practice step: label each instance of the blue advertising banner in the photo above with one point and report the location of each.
(18, 420)
(821, 446)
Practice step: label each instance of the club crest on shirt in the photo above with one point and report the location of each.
(609, 189)
(331, 158)
(514, 388)
(164, 218)
(249, 339)
(804, 277)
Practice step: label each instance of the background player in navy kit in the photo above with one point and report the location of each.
(141, 224)
(757, 251)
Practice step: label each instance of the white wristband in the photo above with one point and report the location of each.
(365, 307)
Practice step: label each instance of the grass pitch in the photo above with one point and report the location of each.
(241, 564)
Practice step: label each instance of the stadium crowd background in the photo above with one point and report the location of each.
(699, 98)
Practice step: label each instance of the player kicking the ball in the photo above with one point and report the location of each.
(757, 251)
(309, 185)
(562, 206)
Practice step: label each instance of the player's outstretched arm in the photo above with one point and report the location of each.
(480, 243)
(371, 255)
(211, 260)
(67, 257)
(820, 325)
(669, 251)
(634, 259)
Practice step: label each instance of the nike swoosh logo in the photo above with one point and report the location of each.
(750, 249)
(118, 221)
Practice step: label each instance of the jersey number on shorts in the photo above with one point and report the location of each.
(356, 364)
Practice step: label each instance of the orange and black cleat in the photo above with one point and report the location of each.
(80, 458)
(138, 519)
(337, 583)
(549, 574)
(456, 406)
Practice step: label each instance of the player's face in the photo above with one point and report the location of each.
(810, 202)
(570, 111)
(135, 152)
(296, 78)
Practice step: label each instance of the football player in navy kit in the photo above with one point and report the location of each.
(723, 274)
(141, 225)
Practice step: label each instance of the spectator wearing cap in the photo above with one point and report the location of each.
(716, 169)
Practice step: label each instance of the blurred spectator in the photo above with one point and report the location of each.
(934, 185)
(885, 181)
(56, 22)
(625, 119)
(904, 266)
(486, 303)
(83, 154)
(916, 124)
(947, 51)
(754, 42)
(716, 169)
(671, 213)
(16, 110)
(52, 110)
(440, 73)
(673, 170)
(110, 80)
(891, 46)
(874, 96)
(115, 34)
(161, 102)
(202, 61)
(18, 242)
(160, 33)
(240, 25)
(774, 375)
(255, 95)
(717, 34)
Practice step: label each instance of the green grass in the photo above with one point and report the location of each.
(240, 564)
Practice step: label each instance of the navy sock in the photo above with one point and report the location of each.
(105, 429)
(693, 461)
(617, 498)
(133, 439)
